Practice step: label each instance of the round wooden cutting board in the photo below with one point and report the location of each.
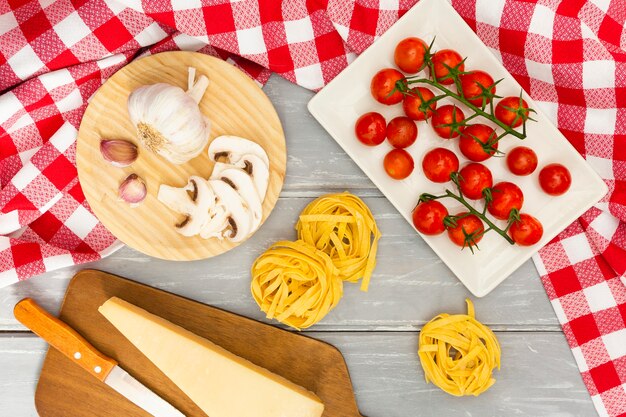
(234, 104)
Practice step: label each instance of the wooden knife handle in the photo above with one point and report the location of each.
(63, 338)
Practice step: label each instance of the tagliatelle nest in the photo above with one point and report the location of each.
(458, 353)
(295, 283)
(342, 226)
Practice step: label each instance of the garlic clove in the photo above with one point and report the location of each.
(120, 153)
(132, 190)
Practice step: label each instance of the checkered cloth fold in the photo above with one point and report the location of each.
(569, 55)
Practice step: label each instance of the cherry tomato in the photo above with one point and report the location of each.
(401, 132)
(555, 179)
(475, 140)
(412, 102)
(508, 111)
(428, 217)
(370, 129)
(506, 197)
(521, 160)
(471, 83)
(383, 84)
(450, 58)
(398, 164)
(468, 231)
(526, 231)
(409, 55)
(445, 116)
(474, 178)
(439, 163)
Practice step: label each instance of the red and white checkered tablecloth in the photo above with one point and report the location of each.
(569, 55)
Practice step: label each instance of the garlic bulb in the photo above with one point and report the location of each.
(168, 119)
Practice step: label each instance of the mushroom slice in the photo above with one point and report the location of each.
(234, 147)
(253, 166)
(241, 182)
(196, 200)
(217, 224)
(240, 217)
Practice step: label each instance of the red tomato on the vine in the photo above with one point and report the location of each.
(409, 55)
(471, 83)
(512, 111)
(370, 129)
(439, 163)
(445, 59)
(555, 179)
(445, 118)
(476, 140)
(398, 164)
(474, 178)
(428, 217)
(521, 160)
(414, 99)
(469, 230)
(526, 231)
(401, 132)
(506, 196)
(382, 85)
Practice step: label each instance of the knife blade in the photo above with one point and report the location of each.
(122, 382)
(69, 342)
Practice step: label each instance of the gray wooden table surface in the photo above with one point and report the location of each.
(377, 331)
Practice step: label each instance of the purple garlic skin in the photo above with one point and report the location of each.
(132, 190)
(118, 152)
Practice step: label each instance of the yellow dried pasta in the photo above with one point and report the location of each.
(458, 353)
(295, 284)
(342, 226)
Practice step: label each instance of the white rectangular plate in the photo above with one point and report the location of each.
(341, 102)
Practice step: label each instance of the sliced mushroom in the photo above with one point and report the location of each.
(234, 147)
(196, 200)
(254, 166)
(240, 216)
(177, 198)
(241, 182)
(215, 227)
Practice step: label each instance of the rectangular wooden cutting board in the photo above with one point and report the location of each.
(65, 389)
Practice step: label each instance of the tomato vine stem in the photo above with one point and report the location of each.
(514, 215)
(454, 74)
(403, 86)
(481, 216)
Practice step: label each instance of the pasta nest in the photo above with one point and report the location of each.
(342, 226)
(459, 353)
(298, 283)
(295, 283)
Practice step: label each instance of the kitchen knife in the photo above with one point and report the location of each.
(67, 341)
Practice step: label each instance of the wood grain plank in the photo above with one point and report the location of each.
(409, 286)
(21, 357)
(314, 160)
(538, 378)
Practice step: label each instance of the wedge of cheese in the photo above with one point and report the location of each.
(220, 383)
